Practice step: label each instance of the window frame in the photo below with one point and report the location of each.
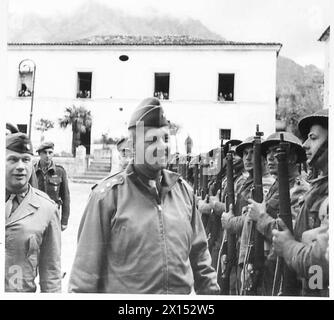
(234, 86)
(155, 73)
(78, 84)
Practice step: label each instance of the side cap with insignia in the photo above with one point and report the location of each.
(19, 142)
(150, 112)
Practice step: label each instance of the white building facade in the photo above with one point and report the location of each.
(204, 87)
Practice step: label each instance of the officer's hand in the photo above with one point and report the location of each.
(281, 238)
(255, 209)
(226, 217)
(63, 227)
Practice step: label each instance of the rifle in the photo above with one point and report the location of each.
(285, 279)
(228, 251)
(204, 192)
(220, 175)
(196, 179)
(254, 258)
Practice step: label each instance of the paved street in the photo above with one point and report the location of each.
(79, 195)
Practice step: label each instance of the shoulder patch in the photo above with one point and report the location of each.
(109, 182)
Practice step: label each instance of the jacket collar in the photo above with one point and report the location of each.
(169, 178)
(27, 207)
(52, 167)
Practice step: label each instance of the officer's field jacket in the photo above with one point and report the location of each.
(129, 243)
(33, 245)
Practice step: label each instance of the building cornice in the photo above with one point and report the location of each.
(214, 46)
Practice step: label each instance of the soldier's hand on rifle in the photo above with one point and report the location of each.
(281, 238)
(226, 216)
(255, 209)
(204, 206)
(217, 206)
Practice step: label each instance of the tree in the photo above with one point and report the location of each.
(80, 119)
(43, 125)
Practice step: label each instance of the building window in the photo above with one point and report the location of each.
(226, 87)
(161, 85)
(84, 85)
(25, 84)
(224, 134)
(23, 128)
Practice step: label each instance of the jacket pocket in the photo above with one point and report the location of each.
(119, 244)
(53, 188)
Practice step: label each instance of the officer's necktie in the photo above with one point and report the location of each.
(9, 205)
(154, 190)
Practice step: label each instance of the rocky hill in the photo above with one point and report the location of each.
(299, 90)
(94, 19)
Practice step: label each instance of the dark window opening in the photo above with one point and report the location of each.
(124, 57)
(25, 84)
(224, 134)
(23, 128)
(161, 85)
(84, 85)
(226, 87)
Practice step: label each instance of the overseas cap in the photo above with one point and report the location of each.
(320, 117)
(150, 112)
(12, 128)
(122, 144)
(246, 143)
(275, 138)
(45, 145)
(19, 142)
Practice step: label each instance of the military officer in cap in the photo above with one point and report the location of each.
(32, 225)
(52, 179)
(265, 214)
(305, 251)
(141, 232)
(11, 128)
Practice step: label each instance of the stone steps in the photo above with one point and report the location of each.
(97, 170)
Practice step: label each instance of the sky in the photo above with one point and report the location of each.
(297, 24)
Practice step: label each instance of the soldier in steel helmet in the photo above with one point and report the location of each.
(238, 223)
(305, 252)
(141, 232)
(234, 222)
(265, 214)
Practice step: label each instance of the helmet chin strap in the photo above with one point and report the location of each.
(321, 150)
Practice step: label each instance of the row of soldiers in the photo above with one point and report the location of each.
(266, 211)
